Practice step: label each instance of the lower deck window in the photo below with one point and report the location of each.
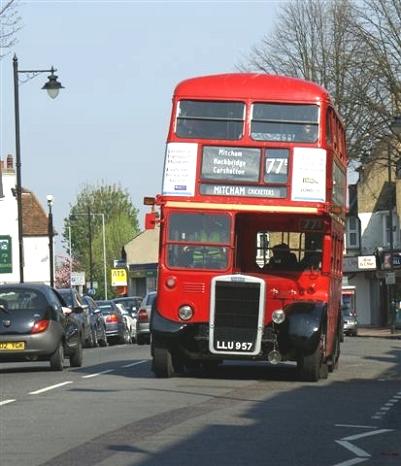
(198, 240)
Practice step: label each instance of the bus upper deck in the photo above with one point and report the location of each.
(283, 144)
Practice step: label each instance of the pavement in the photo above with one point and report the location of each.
(379, 332)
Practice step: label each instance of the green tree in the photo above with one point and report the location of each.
(85, 225)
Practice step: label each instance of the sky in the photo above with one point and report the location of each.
(119, 62)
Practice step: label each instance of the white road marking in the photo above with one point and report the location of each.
(362, 455)
(89, 376)
(51, 387)
(351, 462)
(135, 363)
(367, 434)
(6, 402)
(356, 426)
(352, 448)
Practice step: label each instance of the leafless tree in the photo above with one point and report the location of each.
(333, 44)
(10, 23)
(379, 27)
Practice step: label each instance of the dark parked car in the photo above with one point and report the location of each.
(36, 325)
(98, 326)
(74, 301)
(116, 327)
(143, 318)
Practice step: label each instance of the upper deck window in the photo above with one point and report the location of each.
(198, 119)
(284, 122)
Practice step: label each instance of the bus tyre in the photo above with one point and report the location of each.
(311, 368)
(162, 364)
(210, 365)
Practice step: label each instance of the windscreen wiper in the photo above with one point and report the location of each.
(4, 309)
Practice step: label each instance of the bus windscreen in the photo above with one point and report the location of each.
(210, 120)
(285, 122)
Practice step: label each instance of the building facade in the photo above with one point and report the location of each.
(141, 255)
(367, 264)
(34, 227)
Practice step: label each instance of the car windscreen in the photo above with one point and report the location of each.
(128, 304)
(106, 309)
(347, 312)
(14, 300)
(67, 296)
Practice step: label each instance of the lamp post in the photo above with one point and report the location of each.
(396, 129)
(89, 215)
(51, 234)
(52, 87)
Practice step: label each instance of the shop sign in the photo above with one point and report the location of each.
(367, 262)
(118, 277)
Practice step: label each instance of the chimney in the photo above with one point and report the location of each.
(10, 162)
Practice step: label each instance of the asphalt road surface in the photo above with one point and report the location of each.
(113, 411)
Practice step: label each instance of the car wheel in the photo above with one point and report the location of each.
(140, 339)
(95, 341)
(76, 357)
(162, 364)
(57, 358)
(122, 339)
(103, 340)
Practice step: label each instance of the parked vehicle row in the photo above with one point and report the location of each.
(39, 323)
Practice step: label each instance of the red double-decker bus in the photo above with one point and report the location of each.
(251, 226)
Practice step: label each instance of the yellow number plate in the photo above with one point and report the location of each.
(12, 346)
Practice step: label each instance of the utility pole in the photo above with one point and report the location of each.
(90, 249)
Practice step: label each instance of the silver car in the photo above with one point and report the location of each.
(350, 322)
(143, 318)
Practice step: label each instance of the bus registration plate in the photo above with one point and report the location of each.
(231, 345)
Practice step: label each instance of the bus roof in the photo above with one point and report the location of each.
(251, 86)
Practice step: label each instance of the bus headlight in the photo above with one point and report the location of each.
(278, 316)
(185, 312)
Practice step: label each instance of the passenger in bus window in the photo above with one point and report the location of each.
(283, 258)
(313, 253)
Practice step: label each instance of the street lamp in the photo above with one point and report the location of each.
(50, 234)
(396, 129)
(52, 87)
(89, 215)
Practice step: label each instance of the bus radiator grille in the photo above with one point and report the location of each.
(236, 313)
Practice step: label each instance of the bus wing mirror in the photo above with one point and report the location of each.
(150, 220)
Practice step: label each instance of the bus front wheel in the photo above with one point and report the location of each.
(162, 364)
(312, 367)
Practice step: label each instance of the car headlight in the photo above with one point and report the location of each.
(185, 312)
(278, 316)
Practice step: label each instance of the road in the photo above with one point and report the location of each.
(113, 411)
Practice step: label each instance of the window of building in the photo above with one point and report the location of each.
(352, 232)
